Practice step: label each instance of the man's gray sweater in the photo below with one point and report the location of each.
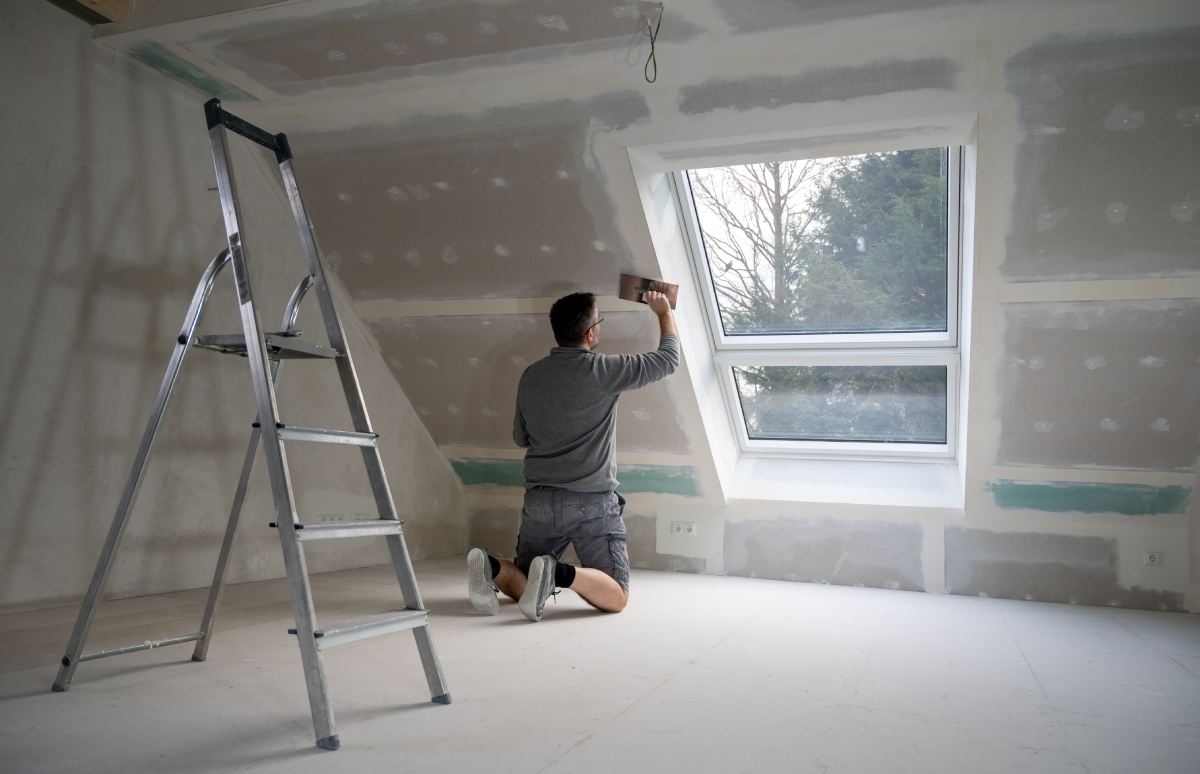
(566, 412)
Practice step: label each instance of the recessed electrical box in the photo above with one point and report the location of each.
(1154, 559)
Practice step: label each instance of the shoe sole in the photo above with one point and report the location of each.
(537, 579)
(479, 584)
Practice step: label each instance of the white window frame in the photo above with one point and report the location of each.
(937, 348)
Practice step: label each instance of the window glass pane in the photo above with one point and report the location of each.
(878, 404)
(852, 244)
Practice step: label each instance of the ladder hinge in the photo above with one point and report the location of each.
(273, 525)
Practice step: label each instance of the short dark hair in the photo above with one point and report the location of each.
(570, 317)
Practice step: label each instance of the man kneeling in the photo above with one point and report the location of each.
(565, 419)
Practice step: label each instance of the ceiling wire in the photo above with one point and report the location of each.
(650, 71)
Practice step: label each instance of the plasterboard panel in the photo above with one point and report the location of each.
(1109, 384)
(819, 85)
(1106, 169)
(496, 205)
(1045, 568)
(461, 374)
(877, 554)
(401, 39)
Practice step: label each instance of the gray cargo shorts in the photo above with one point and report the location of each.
(591, 521)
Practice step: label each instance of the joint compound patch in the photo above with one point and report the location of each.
(1066, 497)
(1124, 118)
(552, 22)
(1044, 567)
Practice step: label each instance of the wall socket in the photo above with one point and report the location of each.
(1154, 559)
(683, 528)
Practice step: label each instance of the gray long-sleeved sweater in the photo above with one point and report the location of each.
(566, 412)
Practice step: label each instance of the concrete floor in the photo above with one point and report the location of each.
(700, 674)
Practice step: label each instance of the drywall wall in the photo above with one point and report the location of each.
(109, 222)
(1102, 383)
(489, 205)
(390, 40)
(1107, 187)
(1078, 569)
(457, 194)
(461, 374)
(819, 85)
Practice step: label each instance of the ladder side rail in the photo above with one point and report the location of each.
(384, 501)
(405, 575)
(333, 323)
(277, 469)
(372, 460)
(87, 611)
(290, 314)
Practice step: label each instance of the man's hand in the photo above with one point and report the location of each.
(657, 302)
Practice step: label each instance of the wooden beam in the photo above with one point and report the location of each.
(113, 10)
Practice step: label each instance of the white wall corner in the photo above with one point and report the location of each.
(717, 447)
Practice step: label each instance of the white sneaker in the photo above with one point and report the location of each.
(480, 588)
(539, 588)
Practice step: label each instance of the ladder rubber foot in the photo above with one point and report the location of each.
(443, 699)
(198, 658)
(58, 688)
(329, 743)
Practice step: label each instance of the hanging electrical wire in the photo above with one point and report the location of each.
(650, 71)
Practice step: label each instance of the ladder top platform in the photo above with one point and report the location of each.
(279, 346)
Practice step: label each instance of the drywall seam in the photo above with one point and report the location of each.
(1074, 497)
(1132, 289)
(167, 60)
(660, 479)
(237, 79)
(1089, 475)
(933, 557)
(471, 307)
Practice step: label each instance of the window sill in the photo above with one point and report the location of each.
(848, 482)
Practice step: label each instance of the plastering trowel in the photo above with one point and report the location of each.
(634, 289)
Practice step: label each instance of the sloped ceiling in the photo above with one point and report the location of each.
(463, 162)
(421, 210)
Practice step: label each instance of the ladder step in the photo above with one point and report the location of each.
(320, 435)
(332, 530)
(279, 346)
(355, 629)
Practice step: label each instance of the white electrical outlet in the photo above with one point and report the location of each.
(1154, 559)
(683, 528)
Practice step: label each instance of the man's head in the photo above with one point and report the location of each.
(574, 320)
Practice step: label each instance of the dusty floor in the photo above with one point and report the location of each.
(700, 674)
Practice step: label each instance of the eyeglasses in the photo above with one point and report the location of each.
(593, 325)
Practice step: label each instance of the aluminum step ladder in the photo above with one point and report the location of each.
(265, 351)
